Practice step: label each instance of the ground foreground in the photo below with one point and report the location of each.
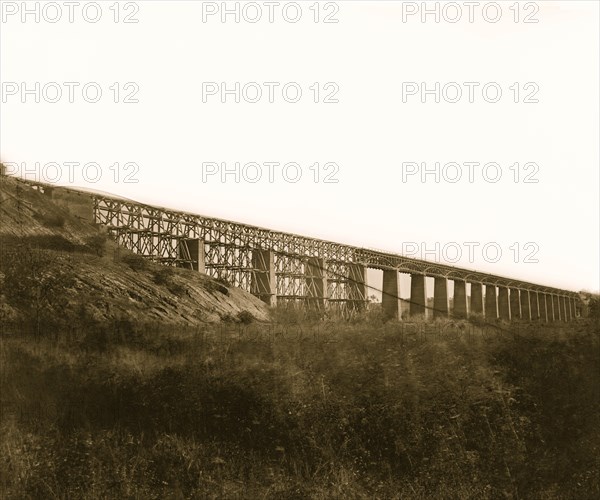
(339, 409)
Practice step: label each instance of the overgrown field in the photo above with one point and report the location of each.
(327, 409)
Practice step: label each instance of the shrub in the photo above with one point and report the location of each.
(176, 289)
(245, 317)
(162, 276)
(135, 262)
(52, 220)
(97, 244)
(228, 318)
(477, 319)
(292, 313)
(215, 286)
(594, 307)
(51, 242)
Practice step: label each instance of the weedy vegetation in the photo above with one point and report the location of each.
(303, 407)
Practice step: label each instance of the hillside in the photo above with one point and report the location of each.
(79, 272)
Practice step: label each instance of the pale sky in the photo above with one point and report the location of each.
(370, 133)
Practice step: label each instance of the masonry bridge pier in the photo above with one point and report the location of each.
(281, 267)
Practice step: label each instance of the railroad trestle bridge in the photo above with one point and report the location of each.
(281, 267)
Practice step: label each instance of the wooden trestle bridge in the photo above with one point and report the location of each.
(283, 267)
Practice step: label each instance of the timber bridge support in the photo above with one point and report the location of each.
(281, 267)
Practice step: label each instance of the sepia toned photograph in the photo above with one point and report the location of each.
(300, 250)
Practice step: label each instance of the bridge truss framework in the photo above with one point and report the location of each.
(283, 267)
(278, 266)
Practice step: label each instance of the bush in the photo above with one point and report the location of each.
(162, 276)
(594, 307)
(292, 314)
(215, 286)
(228, 318)
(97, 244)
(245, 317)
(177, 289)
(52, 220)
(51, 242)
(135, 261)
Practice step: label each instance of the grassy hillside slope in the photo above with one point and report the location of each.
(59, 269)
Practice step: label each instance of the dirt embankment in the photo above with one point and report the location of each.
(51, 258)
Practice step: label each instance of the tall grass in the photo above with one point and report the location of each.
(303, 409)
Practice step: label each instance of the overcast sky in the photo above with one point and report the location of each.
(374, 141)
